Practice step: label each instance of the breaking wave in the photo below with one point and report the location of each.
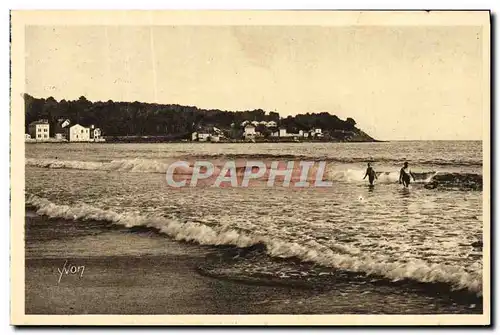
(353, 175)
(347, 160)
(456, 277)
(133, 165)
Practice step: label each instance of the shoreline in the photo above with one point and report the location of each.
(201, 142)
(147, 273)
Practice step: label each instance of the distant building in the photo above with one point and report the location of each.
(27, 136)
(282, 132)
(249, 132)
(272, 124)
(203, 137)
(78, 133)
(214, 138)
(316, 132)
(97, 135)
(194, 136)
(39, 130)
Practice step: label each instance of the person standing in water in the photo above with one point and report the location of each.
(371, 174)
(404, 175)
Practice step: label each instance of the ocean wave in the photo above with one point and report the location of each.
(131, 165)
(356, 175)
(347, 160)
(456, 277)
(431, 179)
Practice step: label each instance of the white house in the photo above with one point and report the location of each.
(27, 137)
(78, 133)
(272, 124)
(194, 136)
(39, 130)
(96, 133)
(282, 132)
(203, 137)
(316, 132)
(249, 132)
(214, 138)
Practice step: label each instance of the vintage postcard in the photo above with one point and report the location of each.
(250, 168)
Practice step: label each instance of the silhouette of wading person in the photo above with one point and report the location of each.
(371, 174)
(405, 174)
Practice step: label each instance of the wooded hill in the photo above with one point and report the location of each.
(175, 121)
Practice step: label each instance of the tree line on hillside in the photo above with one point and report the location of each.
(138, 118)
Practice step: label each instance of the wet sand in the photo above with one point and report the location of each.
(144, 273)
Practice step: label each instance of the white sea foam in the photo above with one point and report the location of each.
(456, 277)
(132, 165)
(333, 173)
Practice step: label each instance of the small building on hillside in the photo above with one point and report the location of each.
(249, 132)
(97, 135)
(272, 124)
(203, 137)
(39, 130)
(78, 133)
(316, 132)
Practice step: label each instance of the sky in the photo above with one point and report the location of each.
(398, 83)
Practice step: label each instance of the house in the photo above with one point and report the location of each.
(249, 132)
(97, 135)
(205, 134)
(282, 132)
(272, 124)
(39, 130)
(203, 137)
(316, 132)
(27, 137)
(78, 133)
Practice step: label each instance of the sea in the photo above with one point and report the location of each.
(418, 249)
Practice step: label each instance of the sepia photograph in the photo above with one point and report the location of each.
(250, 167)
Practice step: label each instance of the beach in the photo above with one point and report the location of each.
(147, 248)
(170, 282)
